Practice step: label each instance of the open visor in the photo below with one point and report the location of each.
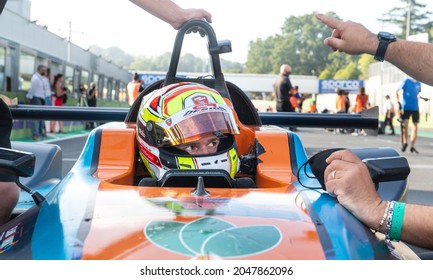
(192, 128)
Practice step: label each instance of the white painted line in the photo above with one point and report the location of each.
(421, 166)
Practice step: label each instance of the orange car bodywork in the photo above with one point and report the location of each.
(131, 222)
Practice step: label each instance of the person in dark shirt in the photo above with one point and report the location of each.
(282, 89)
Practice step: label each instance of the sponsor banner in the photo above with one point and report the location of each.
(330, 86)
(149, 79)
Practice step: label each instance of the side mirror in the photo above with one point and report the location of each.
(20, 164)
(387, 169)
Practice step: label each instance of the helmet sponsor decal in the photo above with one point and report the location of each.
(205, 108)
(149, 156)
(200, 99)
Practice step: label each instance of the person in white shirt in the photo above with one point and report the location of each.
(389, 113)
(36, 96)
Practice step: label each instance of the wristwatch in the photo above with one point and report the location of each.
(385, 39)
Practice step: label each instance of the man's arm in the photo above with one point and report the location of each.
(413, 58)
(348, 179)
(171, 13)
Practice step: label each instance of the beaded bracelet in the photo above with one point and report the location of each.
(384, 217)
(389, 220)
(397, 221)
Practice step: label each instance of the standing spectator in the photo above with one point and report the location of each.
(48, 101)
(295, 99)
(361, 103)
(283, 88)
(340, 102)
(283, 91)
(60, 94)
(410, 90)
(82, 102)
(142, 87)
(361, 100)
(133, 89)
(92, 94)
(36, 96)
(346, 101)
(342, 106)
(400, 110)
(389, 113)
(313, 107)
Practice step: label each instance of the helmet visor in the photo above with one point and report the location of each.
(193, 127)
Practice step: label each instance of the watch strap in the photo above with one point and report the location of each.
(383, 45)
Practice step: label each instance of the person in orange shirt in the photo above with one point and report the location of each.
(340, 102)
(133, 89)
(361, 103)
(295, 98)
(313, 107)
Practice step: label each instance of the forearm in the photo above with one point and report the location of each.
(165, 10)
(418, 226)
(413, 58)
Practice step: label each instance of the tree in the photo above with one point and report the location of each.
(303, 44)
(190, 63)
(363, 63)
(228, 66)
(300, 44)
(113, 54)
(337, 64)
(118, 56)
(258, 56)
(413, 12)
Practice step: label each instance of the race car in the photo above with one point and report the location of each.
(275, 210)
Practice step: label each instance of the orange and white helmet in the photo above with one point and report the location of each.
(179, 114)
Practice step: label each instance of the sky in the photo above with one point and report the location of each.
(121, 23)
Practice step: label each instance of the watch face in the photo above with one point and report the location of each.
(386, 36)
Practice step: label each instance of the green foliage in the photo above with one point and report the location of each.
(420, 18)
(349, 72)
(231, 66)
(363, 64)
(300, 44)
(258, 56)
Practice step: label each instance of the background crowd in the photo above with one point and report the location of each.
(48, 90)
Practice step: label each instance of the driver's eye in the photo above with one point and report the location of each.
(213, 143)
(188, 148)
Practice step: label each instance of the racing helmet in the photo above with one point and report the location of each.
(179, 114)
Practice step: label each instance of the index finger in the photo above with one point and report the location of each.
(329, 21)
